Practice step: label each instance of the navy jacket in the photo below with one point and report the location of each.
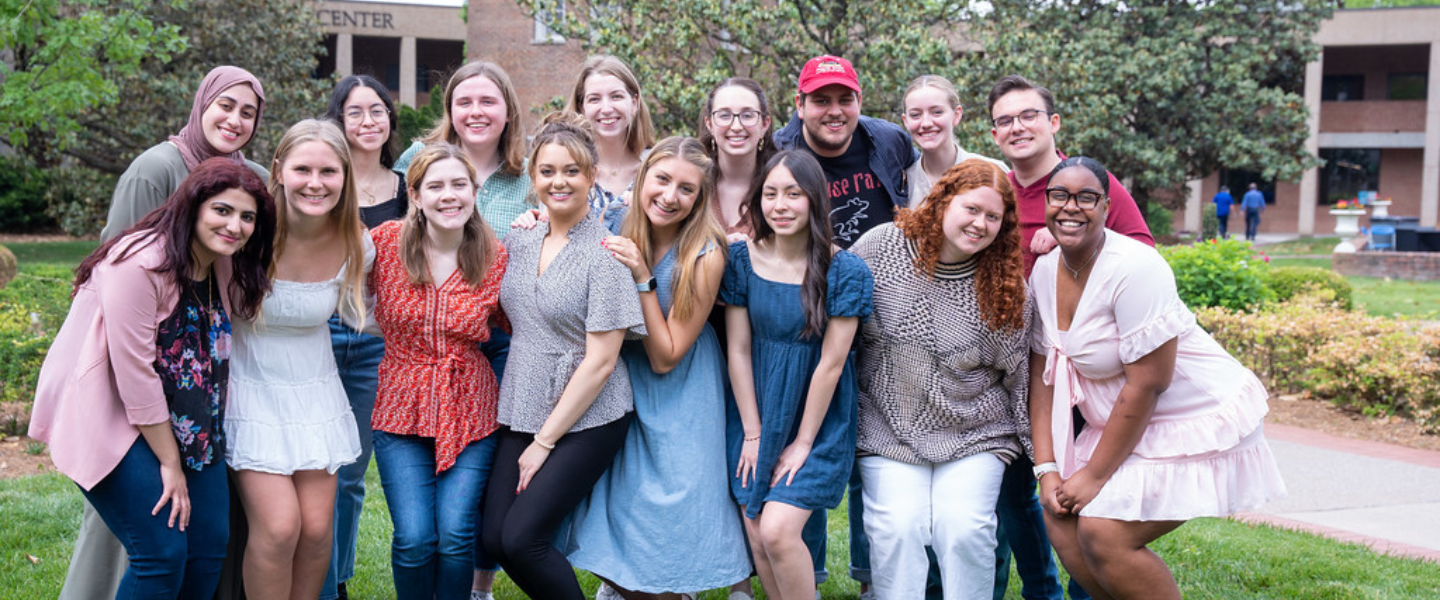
(890, 152)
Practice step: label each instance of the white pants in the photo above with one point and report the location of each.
(949, 507)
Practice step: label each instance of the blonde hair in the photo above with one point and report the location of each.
(478, 242)
(642, 133)
(571, 132)
(700, 230)
(934, 81)
(512, 138)
(345, 216)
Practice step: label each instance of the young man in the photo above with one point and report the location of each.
(1222, 201)
(1025, 123)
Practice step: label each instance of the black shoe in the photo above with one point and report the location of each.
(340, 590)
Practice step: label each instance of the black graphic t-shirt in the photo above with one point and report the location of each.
(858, 202)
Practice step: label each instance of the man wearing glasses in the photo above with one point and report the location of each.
(864, 158)
(1024, 124)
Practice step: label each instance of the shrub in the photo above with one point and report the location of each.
(1225, 273)
(22, 196)
(32, 308)
(79, 199)
(1159, 219)
(1286, 282)
(1209, 222)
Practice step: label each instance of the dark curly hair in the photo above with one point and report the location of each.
(1000, 270)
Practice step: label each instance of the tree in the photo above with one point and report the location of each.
(681, 48)
(1162, 91)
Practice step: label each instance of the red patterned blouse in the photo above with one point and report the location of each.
(434, 381)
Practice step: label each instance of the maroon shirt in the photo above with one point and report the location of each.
(1124, 217)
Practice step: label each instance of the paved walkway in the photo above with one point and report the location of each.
(1381, 495)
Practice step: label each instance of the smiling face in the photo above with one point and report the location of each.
(930, 118)
(222, 225)
(562, 184)
(784, 203)
(1020, 142)
(478, 112)
(314, 178)
(736, 139)
(671, 188)
(363, 129)
(971, 223)
(446, 195)
(1072, 226)
(608, 105)
(830, 115)
(229, 121)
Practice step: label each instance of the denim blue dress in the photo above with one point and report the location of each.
(783, 363)
(661, 519)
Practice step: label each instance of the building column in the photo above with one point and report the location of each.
(1194, 206)
(407, 71)
(1430, 165)
(344, 54)
(1310, 181)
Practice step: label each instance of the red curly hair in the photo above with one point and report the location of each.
(1000, 271)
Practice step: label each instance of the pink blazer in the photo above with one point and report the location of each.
(98, 382)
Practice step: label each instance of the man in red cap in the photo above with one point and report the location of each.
(864, 158)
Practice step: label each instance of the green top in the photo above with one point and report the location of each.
(147, 182)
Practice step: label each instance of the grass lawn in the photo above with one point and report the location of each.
(1211, 558)
(1302, 246)
(67, 254)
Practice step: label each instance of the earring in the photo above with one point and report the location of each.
(713, 148)
(761, 146)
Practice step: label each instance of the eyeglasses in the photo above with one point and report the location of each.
(377, 114)
(1026, 117)
(724, 118)
(1058, 197)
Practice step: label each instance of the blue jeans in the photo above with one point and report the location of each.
(1022, 530)
(357, 356)
(165, 563)
(1252, 224)
(435, 516)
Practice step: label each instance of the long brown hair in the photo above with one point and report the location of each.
(999, 268)
(811, 179)
(699, 231)
(345, 216)
(642, 133)
(512, 138)
(478, 242)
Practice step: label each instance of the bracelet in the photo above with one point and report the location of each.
(544, 445)
(753, 439)
(1046, 467)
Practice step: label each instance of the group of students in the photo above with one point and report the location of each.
(809, 313)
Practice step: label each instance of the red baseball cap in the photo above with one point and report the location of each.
(828, 70)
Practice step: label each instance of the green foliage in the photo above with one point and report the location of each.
(1159, 91)
(78, 198)
(1209, 223)
(682, 48)
(63, 56)
(1286, 282)
(414, 123)
(1159, 219)
(32, 308)
(22, 196)
(35, 448)
(1227, 273)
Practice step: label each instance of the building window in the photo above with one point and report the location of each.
(545, 15)
(1342, 88)
(1347, 172)
(1406, 86)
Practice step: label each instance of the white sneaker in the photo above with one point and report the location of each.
(479, 595)
(869, 594)
(607, 593)
(740, 596)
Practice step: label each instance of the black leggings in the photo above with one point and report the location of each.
(519, 528)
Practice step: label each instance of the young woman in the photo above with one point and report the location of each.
(290, 424)
(1173, 425)
(607, 93)
(571, 305)
(943, 376)
(661, 520)
(436, 281)
(794, 304)
(930, 113)
(735, 131)
(223, 118)
(142, 430)
(362, 108)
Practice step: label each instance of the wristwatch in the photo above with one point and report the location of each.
(648, 286)
(1043, 468)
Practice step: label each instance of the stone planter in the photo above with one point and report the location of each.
(1347, 225)
(1379, 209)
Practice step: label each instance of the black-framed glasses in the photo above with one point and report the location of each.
(1058, 197)
(748, 118)
(1026, 117)
(356, 115)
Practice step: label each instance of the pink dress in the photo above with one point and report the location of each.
(1203, 453)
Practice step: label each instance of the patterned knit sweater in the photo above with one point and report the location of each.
(936, 383)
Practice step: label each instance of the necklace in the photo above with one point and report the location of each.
(365, 188)
(1075, 271)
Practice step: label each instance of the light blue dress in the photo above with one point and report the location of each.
(661, 519)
